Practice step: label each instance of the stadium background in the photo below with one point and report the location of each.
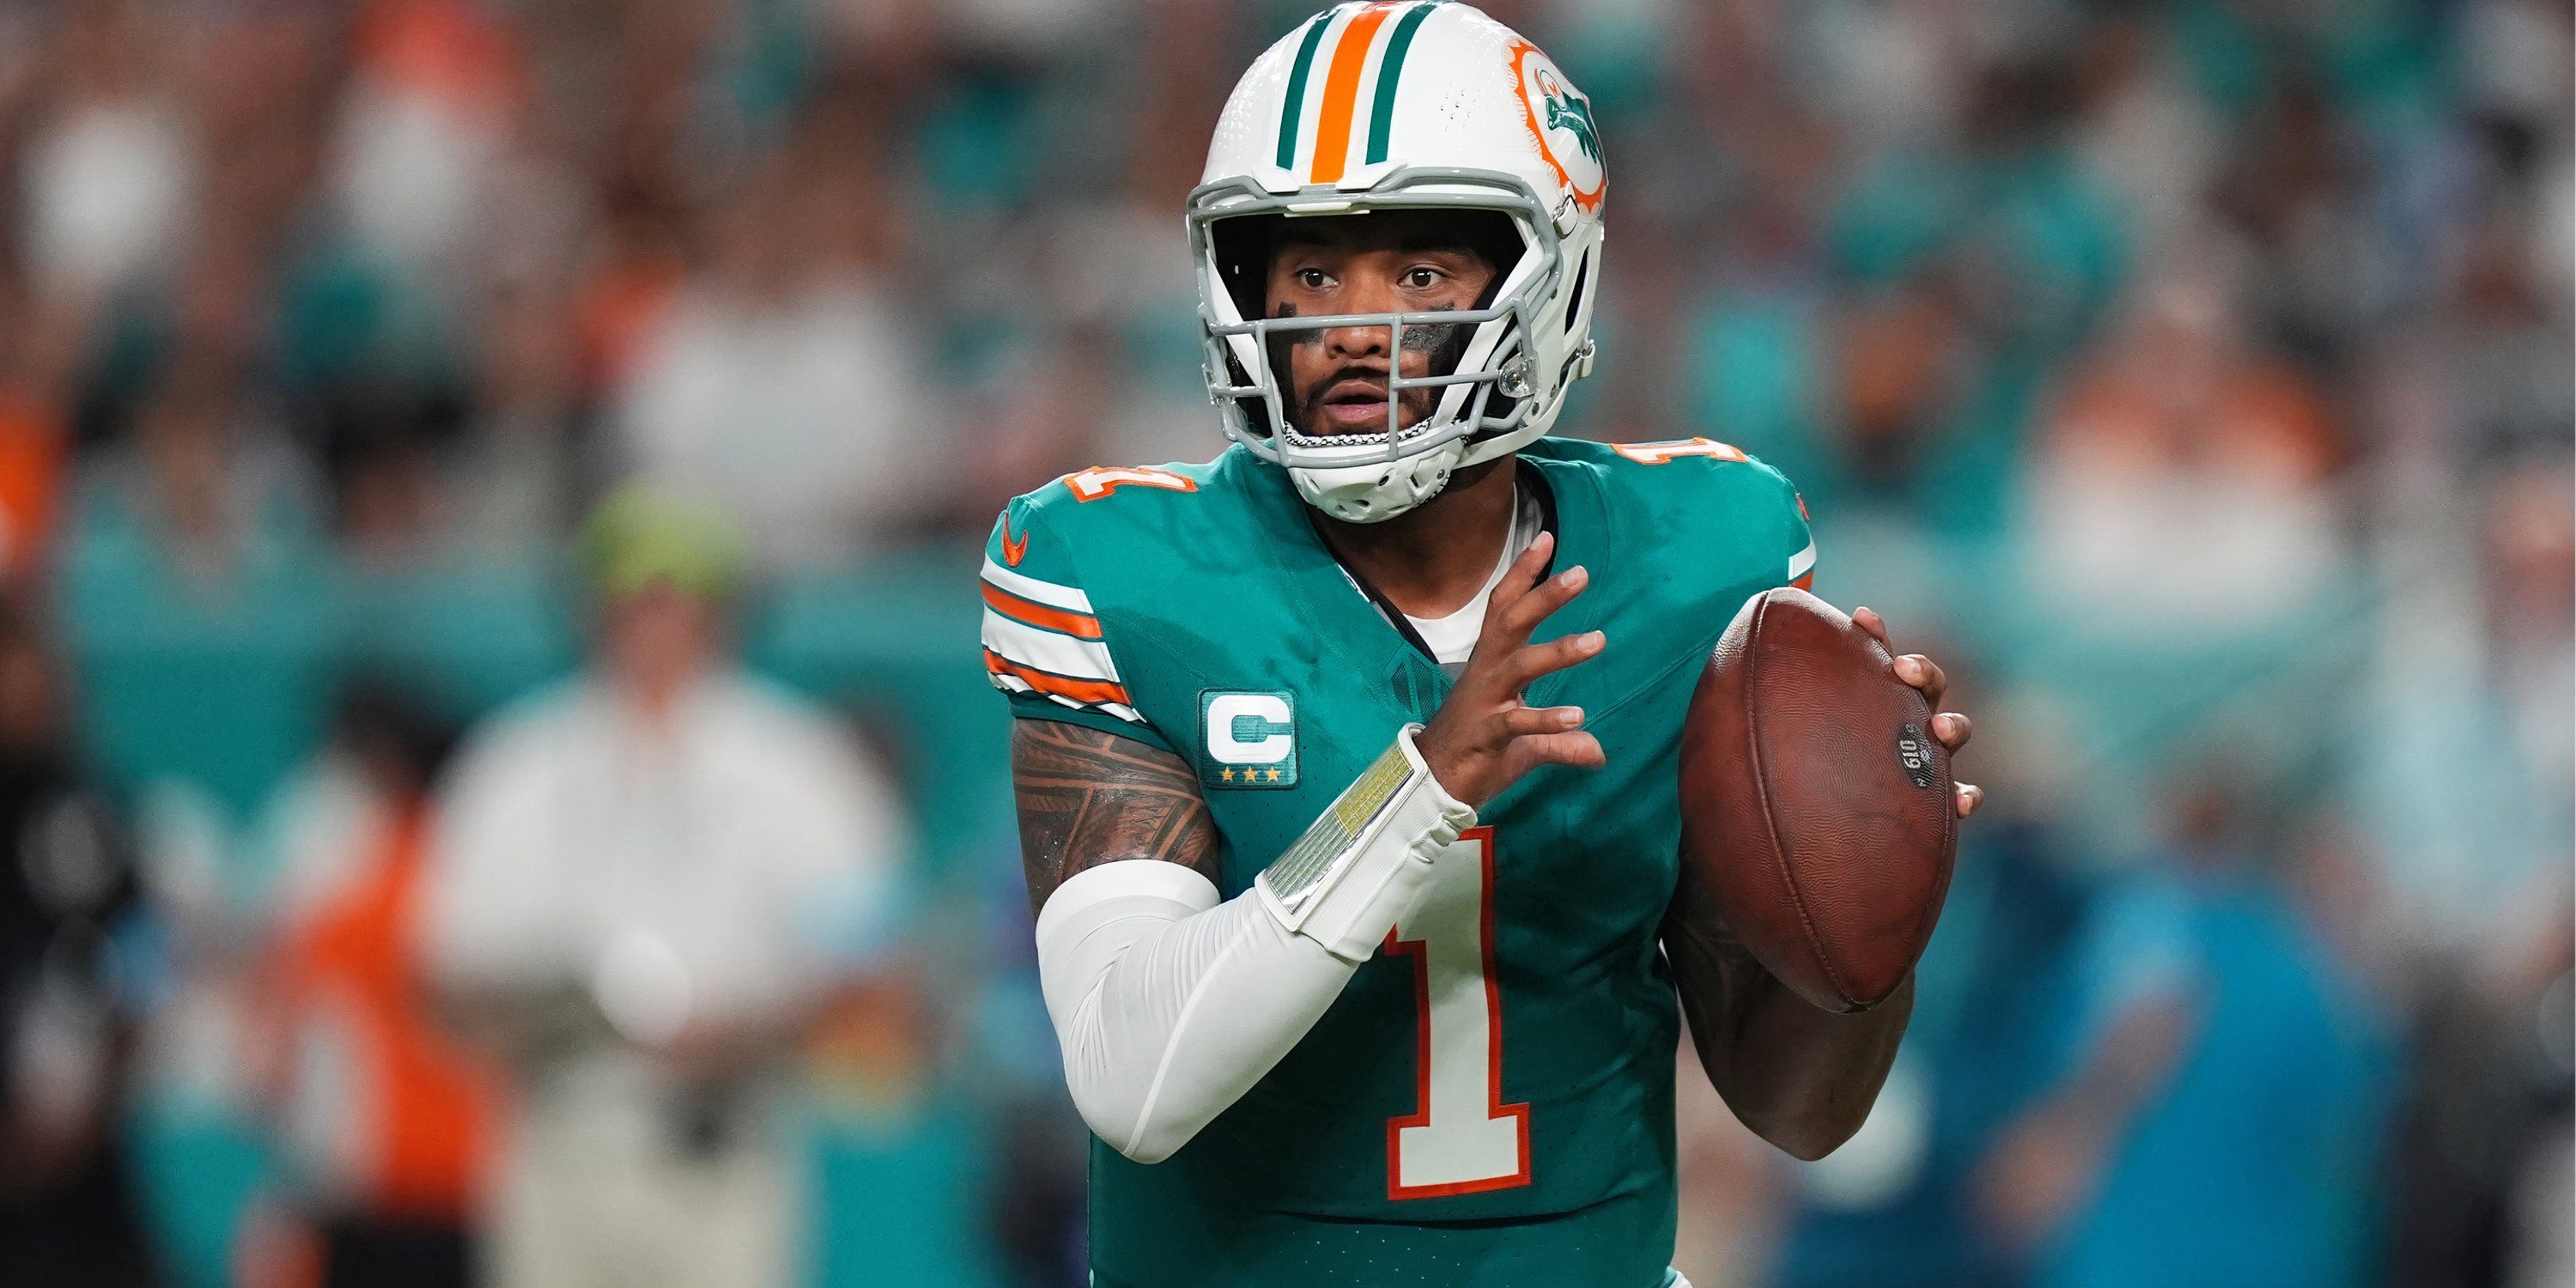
(2192, 377)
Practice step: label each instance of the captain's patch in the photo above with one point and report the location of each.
(1247, 739)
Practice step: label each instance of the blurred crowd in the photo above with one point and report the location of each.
(495, 784)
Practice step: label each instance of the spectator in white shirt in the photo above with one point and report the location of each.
(644, 886)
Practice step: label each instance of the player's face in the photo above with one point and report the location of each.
(1390, 262)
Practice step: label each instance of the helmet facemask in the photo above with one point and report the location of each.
(1487, 397)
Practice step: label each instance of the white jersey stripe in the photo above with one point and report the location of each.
(1803, 562)
(1035, 591)
(1048, 651)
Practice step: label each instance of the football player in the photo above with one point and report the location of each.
(1347, 762)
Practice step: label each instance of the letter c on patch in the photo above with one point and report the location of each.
(1249, 729)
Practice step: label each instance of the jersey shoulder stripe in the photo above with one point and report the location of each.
(1050, 651)
(1044, 646)
(1012, 677)
(1030, 588)
(1029, 613)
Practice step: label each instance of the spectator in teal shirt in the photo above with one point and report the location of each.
(2224, 1096)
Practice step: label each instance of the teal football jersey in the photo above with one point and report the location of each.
(1490, 1101)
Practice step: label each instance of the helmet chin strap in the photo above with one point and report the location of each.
(1380, 490)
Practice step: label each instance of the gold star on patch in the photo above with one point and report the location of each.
(1274, 775)
(1225, 775)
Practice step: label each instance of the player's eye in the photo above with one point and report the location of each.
(1420, 277)
(1313, 279)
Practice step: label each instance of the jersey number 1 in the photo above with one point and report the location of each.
(1461, 1137)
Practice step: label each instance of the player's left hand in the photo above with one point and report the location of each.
(1950, 728)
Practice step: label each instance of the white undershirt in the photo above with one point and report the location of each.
(1453, 637)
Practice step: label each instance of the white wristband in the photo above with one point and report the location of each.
(1363, 863)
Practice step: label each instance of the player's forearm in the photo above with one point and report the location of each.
(1170, 1004)
(1800, 1077)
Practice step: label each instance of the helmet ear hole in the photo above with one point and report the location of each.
(1574, 298)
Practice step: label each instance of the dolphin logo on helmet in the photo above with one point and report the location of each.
(1572, 113)
(1387, 105)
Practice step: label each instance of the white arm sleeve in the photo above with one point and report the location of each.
(1170, 1004)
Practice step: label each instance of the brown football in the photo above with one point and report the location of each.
(1817, 809)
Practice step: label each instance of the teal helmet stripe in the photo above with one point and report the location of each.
(1389, 69)
(1293, 111)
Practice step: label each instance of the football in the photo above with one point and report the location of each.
(1817, 812)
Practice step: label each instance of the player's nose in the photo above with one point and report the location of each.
(1349, 343)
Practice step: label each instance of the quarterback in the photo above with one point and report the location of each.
(1346, 762)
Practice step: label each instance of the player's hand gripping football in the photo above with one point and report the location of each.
(1484, 737)
(1919, 672)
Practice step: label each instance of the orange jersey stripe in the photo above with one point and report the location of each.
(1060, 686)
(1074, 624)
(1807, 582)
(1342, 90)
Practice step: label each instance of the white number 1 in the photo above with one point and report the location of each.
(1461, 1138)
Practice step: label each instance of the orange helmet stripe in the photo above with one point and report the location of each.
(1342, 91)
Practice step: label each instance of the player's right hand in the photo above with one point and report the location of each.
(1484, 737)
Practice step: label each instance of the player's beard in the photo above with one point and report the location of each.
(1443, 343)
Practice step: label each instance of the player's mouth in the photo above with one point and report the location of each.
(1352, 406)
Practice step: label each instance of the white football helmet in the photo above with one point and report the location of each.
(1381, 105)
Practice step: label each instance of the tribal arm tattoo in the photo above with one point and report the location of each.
(1087, 798)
